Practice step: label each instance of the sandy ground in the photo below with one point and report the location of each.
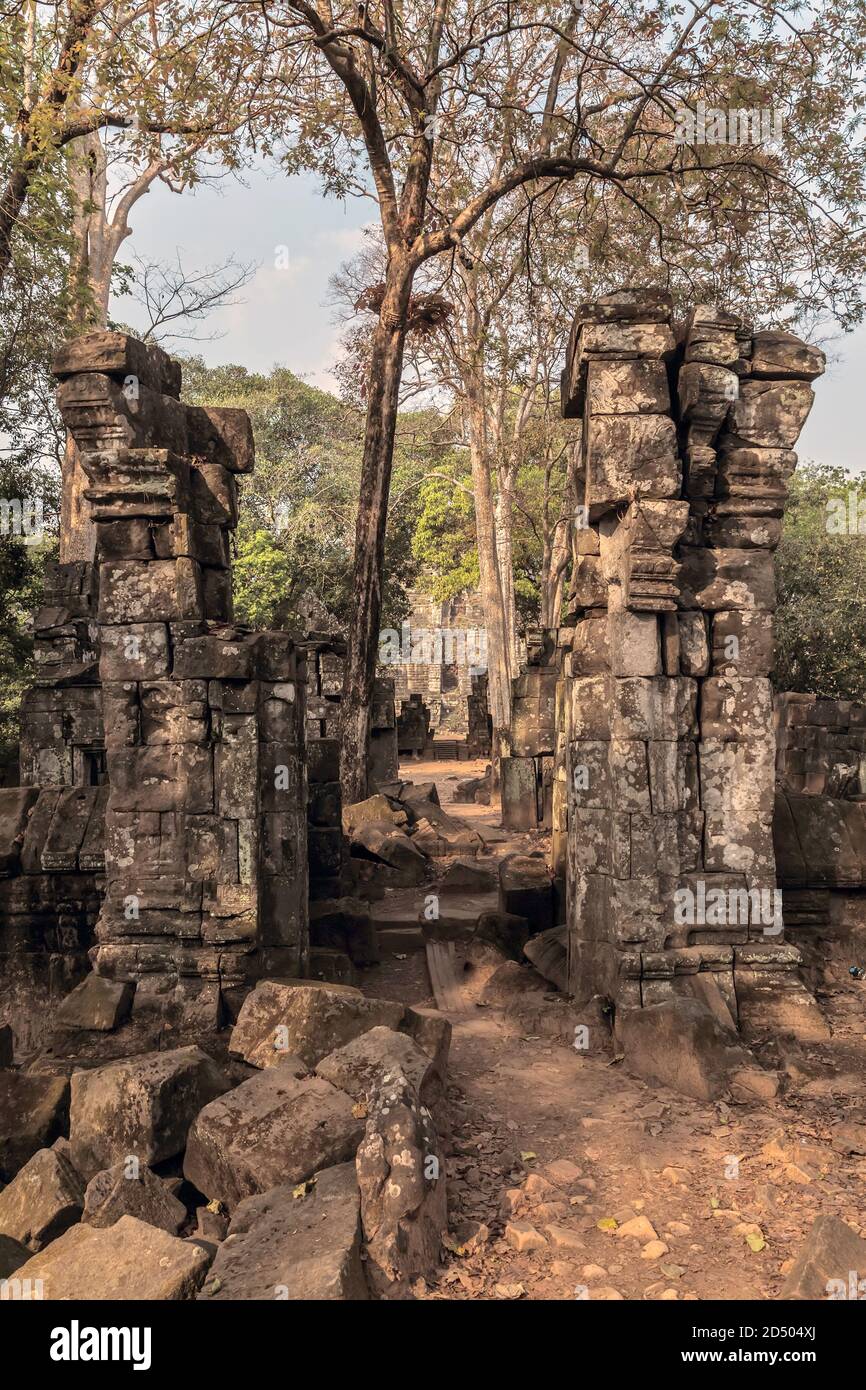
(726, 1193)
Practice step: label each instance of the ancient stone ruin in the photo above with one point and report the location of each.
(666, 708)
(155, 905)
(187, 908)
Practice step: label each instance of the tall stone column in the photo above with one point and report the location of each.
(687, 445)
(206, 816)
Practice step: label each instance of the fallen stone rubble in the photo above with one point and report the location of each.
(306, 1164)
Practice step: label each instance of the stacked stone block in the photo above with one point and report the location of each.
(666, 716)
(527, 774)
(413, 726)
(61, 742)
(479, 734)
(51, 888)
(325, 662)
(205, 824)
(820, 745)
(382, 757)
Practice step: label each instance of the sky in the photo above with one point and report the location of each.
(298, 239)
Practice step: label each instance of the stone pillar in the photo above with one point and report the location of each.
(206, 816)
(687, 445)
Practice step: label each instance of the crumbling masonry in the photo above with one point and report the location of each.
(194, 726)
(665, 714)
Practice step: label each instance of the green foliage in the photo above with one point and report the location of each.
(297, 509)
(444, 540)
(821, 575)
(21, 572)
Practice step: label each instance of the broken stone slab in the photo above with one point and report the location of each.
(548, 952)
(473, 790)
(467, 876)
(127, 1261)
(382, 840)
(503, 929)
(306, 1019)
(374, 810)
(273, 1129)
(96, 1004)
(823, 1269)
(681, 1045)
(141, 1107)
(418, 794)
(779, 354)
(42, 1201)
(511, 983)
(431, 1030)
(130, 1190)
(297, 1246)
(34, 1110)
(363, 1064)
(401, 1177)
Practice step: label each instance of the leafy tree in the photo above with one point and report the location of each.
(297, 509)
(821, 575)
(416, 98)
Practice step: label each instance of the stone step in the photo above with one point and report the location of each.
(400, 940)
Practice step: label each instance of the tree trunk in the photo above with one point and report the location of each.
(499, 675)
(505, 559)
(386, 365)
(12, 201)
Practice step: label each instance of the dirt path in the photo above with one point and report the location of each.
(570, 1178)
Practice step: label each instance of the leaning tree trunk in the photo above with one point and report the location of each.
(386, 365)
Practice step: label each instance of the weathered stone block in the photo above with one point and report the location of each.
(142, 1106)
(119, 1191)
(303, 1247)
(130, 1260)
(274, 1128)
(42, 1201)
(304, 1019)
(34, 1110)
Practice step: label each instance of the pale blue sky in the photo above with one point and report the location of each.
(282, 317)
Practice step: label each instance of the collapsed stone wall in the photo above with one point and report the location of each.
(181, 733)
(666, 706)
